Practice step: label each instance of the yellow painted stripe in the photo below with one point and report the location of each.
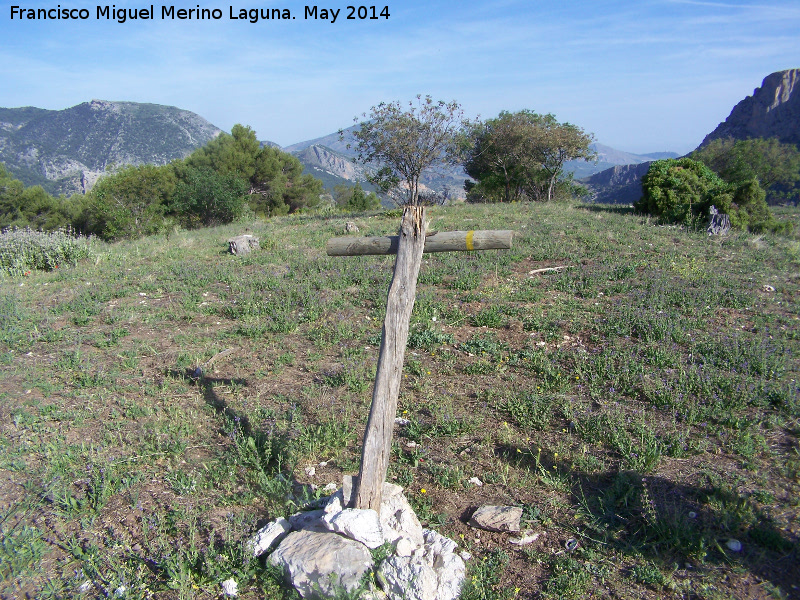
(469, 240)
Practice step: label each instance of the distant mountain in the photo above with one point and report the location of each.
(331, 167)
(772, 111)
(329, 159)
(66, 151)
(332, 141)
(608, 158)
(621, 184)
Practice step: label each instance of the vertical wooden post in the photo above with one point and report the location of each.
(377, 444)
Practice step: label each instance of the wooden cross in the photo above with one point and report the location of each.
(408, 246)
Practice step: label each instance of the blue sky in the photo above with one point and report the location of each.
(643, 76)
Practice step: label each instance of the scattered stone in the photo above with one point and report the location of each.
(527, 537)
(768, 288)
(401, 421)
(571, 544)
(85, 587)
(350, 227)
(268, 535)
(318, 564)
(311, 471)
(243, 244)
(475, 481)
(330, 488)
(230, 588)
(734, 545)
(497, 518)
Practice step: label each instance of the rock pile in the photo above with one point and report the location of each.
(327, 549)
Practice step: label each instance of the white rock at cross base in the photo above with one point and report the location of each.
(317, 564)
(408, 578)
(268, 536)
(440, 552)
(362, 525)
(310, 519)
(398, 519)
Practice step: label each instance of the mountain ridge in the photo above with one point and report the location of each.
(67, 150)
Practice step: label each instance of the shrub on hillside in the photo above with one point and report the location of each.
(355, 199)
(25, 250)
(33, 207)
(129, 203)
(683, 190)
(205, 197)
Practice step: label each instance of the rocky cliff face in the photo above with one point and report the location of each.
(334, 163)
(621, 184)
(773, 111)
(65, 151)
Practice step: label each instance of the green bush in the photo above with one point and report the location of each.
(129, 203)
(205, 197)
(355, 199)
(680, 190)
(25, 250)
(683, 190)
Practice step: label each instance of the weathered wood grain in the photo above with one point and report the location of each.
(377, 445)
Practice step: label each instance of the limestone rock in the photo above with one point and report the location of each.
(527, 537)
(318, 564)
(268, 535)
(398, 519)
(497, 518)
(404, 578)
(719, 224)
(243, 244)
(435, 573)
(362, 525)
(448, 565)
(310, 520)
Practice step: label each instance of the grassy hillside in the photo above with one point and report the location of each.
(641, 406)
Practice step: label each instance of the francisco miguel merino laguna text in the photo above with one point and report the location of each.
(253, 15)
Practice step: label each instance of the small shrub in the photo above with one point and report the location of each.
(680, 190)
(683, 190)
(25, 250)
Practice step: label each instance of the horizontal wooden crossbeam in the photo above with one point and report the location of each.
(441, 241)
